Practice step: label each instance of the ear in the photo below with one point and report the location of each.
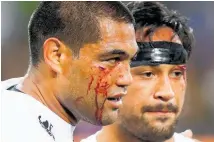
(56, 53)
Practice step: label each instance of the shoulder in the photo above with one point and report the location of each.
(181, 138)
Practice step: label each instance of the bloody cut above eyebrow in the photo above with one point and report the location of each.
(182, 67)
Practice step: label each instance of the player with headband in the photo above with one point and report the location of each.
(155, 98)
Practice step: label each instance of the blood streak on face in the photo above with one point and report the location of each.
(89, 85)
(101, 89)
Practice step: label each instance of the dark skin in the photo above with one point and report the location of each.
(152, 85)
(77, 87)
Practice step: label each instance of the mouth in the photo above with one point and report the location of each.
(115, 101)
(161, 113)
(116, 97)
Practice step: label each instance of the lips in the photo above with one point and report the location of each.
(162, 111)
(161, 114)
(115, 100)
(117, 97)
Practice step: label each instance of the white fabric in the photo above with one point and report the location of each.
(177, 138)
(92, 138)
(181, 138)
(20, 119)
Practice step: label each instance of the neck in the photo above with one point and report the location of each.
(41, 86)
(117, 133)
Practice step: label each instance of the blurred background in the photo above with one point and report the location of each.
(198, 113)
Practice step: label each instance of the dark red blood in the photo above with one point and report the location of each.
(98, 114)
(183, 67)
(89, 85)
(101, 68)
(101, 88)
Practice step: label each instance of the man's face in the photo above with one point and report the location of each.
(99, 77)
(155, 98)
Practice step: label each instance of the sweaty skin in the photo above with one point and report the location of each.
(166, 86)
(77, 87)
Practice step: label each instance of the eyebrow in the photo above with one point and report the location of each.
(115, 52)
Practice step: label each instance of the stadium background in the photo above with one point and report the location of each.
(198, 113)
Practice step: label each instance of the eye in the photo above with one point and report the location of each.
(177, 74)
(113, 60)
(148, 74)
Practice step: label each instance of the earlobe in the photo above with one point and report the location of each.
(52, 50)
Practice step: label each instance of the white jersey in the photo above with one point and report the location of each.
(177, 138)
(181, 138)
(92, 138)
(24, 119)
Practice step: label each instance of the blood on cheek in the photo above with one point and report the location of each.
(101, 89)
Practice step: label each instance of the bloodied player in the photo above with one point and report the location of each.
(155, 99)
(79, 69)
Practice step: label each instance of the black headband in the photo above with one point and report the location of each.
(160, 52)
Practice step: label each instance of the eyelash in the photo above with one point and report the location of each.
(180, 72)
(150, 73)
(115, 58)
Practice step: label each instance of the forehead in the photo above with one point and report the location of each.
(114, 35)
(113, 31)
(160, 34)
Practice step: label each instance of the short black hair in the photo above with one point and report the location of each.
(74, 23)
(155, 14)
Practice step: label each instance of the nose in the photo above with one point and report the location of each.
(164, 91)
(124, 76)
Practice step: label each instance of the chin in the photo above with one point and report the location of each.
(162, 131)
(109, 118)
(155, 130)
